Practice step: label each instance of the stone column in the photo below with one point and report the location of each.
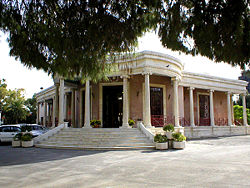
(211, 107)
(45, 113)
(175, 105)
(65, 106)
(37, 113)
(57, 102)
(54, 112)
(87, 106)
(232, 109)
(61, 102)
(191, 98)
(147, 113)
(244, 110)
(73, 108)
(125, 102)
(229, 114)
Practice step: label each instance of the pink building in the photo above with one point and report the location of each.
(151, 88)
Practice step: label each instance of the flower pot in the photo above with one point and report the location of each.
(26, 144)
(16, 143)
(161, 146)
(179, 145)
(169, 135)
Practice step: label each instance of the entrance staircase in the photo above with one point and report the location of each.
(98, 139)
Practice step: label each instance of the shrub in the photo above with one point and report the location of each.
(95, 123)
(26, 137)
(131, 122)
(17, 137)
(160, 138)
(178, 137)
(168, 128)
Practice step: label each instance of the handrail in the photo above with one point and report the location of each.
(50, 133)
(145, 131)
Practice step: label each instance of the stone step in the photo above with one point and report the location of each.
(98, 132)
(99, 144)
(96, 148)
(99, 141)
(100, 129)
(99, 138)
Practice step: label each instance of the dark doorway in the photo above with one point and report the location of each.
(204, 110)
(156, 101)
(112, 106)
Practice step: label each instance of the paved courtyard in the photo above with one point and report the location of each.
(221, 162)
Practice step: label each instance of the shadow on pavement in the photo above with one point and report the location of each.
(16, 156)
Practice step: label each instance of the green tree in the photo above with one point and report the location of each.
(74, 38)
(238, 113)
(31, 108)
(3, 92)
(239, 101)
(14, 110)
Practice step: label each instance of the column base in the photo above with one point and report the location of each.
(179, 129)
(86, 127)
(192, 126)
(125, 126)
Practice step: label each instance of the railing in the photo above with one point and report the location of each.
(238, 122)
(220, 121)
(160, 120)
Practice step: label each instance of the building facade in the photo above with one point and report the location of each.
(149, 87)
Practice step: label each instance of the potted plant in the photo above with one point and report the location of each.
(179, 141)
(16, 141)
(95, 123)
(161, 141)
(169, 129)
(131, 122)
(27, 140)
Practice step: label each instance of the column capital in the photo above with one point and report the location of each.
(146, 72)
(243, 94)
(177, 79)
(229, 93)
(211, 90)
(190, 88)
(125, 76)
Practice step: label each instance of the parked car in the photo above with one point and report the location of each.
(7, 132)
(34, 129)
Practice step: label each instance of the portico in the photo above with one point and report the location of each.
(155, 89)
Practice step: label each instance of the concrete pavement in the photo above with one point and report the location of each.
(221, 162)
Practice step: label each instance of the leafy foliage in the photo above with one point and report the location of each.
(178, 137)
(75, 38)
(26, 137)
(238, 113)
(31, 107)
(160, 138)
(17, 137)
(95, 123)
(15, 108)
(168, 128)
(131, 122)
(3, 92)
